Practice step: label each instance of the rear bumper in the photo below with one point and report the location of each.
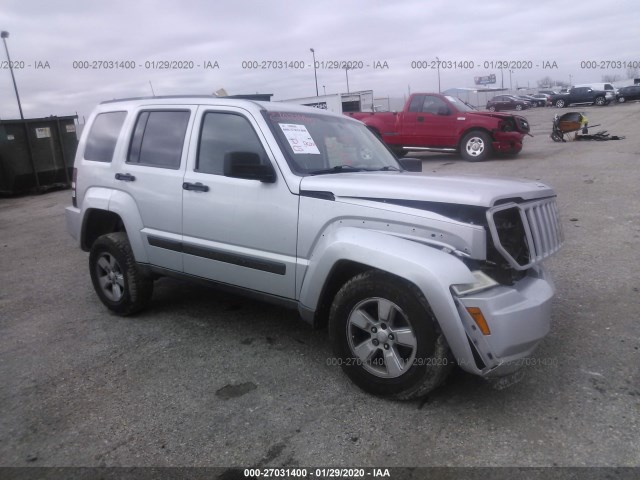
(518, 317)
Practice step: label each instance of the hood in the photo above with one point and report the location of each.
(460, 189)
(501, 116)
(521, 123)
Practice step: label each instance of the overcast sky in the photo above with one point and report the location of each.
(55, 34)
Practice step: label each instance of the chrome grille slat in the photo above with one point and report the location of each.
(541, 226)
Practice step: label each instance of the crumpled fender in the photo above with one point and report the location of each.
(431, 270)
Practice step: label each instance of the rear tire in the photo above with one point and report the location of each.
(492, 109)
(385, 337)
(116, 277)
(518, 107)
(475, 146)
(600, 101)
(560, 103)
(622, 100)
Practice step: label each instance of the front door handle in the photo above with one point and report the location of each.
(421, 119)
(125, 177)
(197, 187)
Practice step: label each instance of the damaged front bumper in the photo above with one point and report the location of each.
(507, 142)
(505, 324)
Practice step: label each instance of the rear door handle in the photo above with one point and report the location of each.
(198, 187)
(125, 177)
(421, 119)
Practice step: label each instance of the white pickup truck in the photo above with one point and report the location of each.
(310, 210)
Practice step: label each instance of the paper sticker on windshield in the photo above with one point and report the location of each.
(299, 138)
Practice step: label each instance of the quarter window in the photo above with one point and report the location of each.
(158, 138)
(102, 139)
(222, 133)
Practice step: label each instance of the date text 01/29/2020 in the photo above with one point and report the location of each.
(316, 473)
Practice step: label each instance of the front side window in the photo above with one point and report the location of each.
(434, 105)
(223, 133)
(158, 138)
(102, 139)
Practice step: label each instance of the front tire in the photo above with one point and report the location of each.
(518, 107)
(600, 101)
(492, 108)
(621, 99)
(116, 278)
(475, 146)
(560, 103)
(385, 337)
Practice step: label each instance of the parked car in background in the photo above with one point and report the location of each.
(626, 94)
(580, 95)
(548, 92)
(527, 98)
(507, 102)
(609, 90)
(543, 99)
(442, 123)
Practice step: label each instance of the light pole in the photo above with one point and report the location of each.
(4, 36)
(501, 79)
(324, 88)
(510, 83)
(438, 65)
(315, 73)
(346, 72)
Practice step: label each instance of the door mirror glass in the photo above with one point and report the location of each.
(248, 165)
(411, 164)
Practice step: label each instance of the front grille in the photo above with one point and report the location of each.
(525, 234)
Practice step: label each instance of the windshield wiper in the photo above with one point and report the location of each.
(336, 169)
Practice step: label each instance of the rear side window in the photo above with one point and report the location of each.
(223, 133)
(103, 136)
(158, 138)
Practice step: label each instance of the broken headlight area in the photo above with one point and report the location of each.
(511, 236)
(496, 268)
(482, 282)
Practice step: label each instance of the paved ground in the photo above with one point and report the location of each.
(204, 378)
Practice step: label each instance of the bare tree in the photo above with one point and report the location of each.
(547, 82)
(610, 78)
(633, 73)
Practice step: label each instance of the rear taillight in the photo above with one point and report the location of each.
(73, 187)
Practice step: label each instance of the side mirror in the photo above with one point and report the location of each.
(247, 165)
(411, 164)
(444, 111)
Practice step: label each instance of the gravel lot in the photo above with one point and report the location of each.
(209, 379)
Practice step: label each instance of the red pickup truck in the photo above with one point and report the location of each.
(442, 123)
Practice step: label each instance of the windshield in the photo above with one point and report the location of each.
(318, 144)
(460, 105)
